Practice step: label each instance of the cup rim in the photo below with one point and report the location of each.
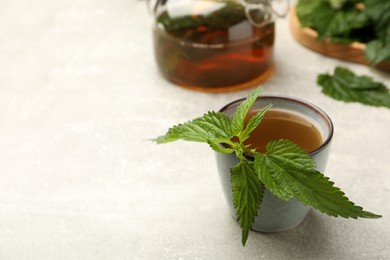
(307, 104)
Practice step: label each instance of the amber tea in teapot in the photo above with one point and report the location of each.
(212, 45)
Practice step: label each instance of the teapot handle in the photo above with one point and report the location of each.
(152, 5)
(266, 9)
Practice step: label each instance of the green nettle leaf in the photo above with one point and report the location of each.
(247, 195)
(254, 122)
(376, 51)
(305, 9)
(309, 186)
(379, 12)
(237, 122)
(337, 4)
(285, 169)
(338, 20)
(386, 35)
(347, 77)
(290, 154)
(275, 186)
(344, 85)
(213, 126)
(337, 25)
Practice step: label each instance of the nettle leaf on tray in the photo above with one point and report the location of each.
(347, 21)
(305, 9)
(379, 12)
(377, 51)
(338, 25)
(344, 85)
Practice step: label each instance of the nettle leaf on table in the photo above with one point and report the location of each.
(345, 86)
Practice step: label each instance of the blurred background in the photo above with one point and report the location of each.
(81, 94)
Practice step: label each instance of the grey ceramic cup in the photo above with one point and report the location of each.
(276, 214)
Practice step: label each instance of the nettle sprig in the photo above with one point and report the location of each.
(285, 169)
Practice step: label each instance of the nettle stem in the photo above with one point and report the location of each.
(241, 150)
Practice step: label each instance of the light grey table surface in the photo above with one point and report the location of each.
(80, 94)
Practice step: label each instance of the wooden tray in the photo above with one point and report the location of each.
(353, 52)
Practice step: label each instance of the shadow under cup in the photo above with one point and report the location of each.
(276, 214)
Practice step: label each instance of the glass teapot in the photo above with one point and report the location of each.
(215, 45)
